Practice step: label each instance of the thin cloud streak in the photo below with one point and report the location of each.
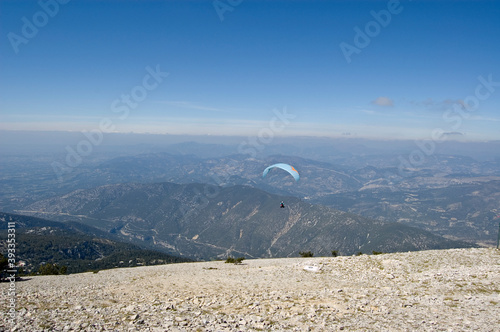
(482, 118)
(191, 105)
(47, 117)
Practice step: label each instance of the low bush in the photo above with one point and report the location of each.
(306, 254)
(235, 260)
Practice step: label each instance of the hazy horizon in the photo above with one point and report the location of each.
(60, 142)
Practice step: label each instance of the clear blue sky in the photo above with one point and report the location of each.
(233, 64)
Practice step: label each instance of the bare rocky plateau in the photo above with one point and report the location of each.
(439, 290)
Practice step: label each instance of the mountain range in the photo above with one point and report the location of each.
(453, 196)
(203, 221)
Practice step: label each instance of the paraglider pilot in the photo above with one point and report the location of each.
(282, 205)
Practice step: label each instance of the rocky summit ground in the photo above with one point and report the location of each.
(442, 290)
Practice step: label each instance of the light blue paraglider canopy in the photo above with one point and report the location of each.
(290, 169)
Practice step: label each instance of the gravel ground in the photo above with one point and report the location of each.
(441, 290)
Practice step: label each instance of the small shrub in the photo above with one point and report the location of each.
(359, 253)
(235, 260)
(335, 253)
(377, 252)
(306, 254)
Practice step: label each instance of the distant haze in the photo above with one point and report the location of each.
(13, 142)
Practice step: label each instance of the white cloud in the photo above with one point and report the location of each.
(383, 101)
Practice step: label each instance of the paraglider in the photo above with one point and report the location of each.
(289, 168)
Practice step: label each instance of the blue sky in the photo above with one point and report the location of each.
(228, 67)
